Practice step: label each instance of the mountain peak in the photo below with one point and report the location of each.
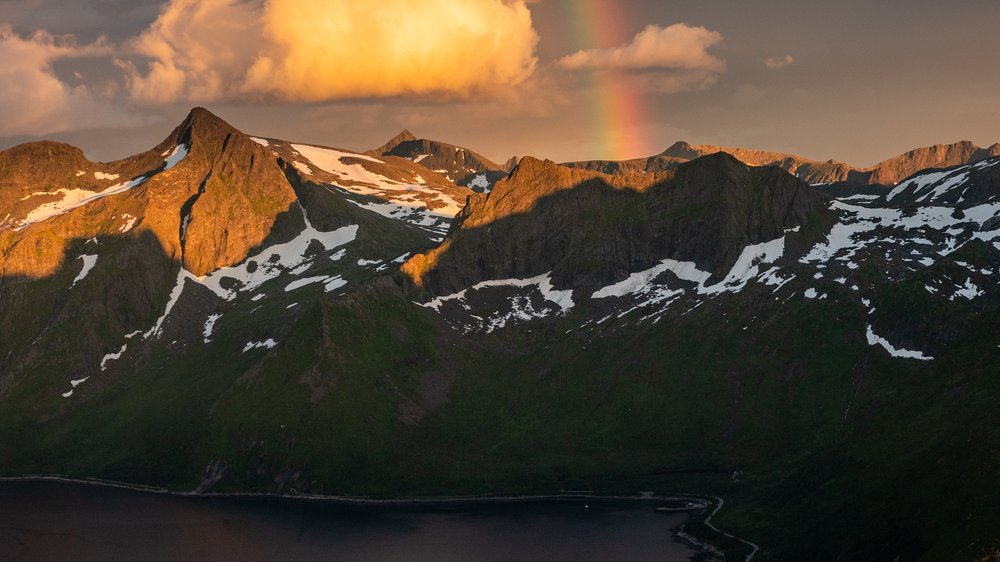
(404, 136)
(203, 120)
(200, 127)
(681, 149)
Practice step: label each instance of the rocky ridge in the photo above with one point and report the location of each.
(886, 173)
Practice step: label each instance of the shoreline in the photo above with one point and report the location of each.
(365, 500)
(415, 501)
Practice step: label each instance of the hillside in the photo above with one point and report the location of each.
(236, 313)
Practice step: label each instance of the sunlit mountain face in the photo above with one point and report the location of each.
(786, 330)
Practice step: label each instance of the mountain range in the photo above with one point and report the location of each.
(886, 173)
(236, 313)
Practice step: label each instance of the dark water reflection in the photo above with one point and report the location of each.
(56, 521)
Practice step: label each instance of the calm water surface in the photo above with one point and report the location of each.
(56, 521)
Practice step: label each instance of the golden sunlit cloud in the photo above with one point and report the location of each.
(318, 50)
(677, 47)
(665, 60)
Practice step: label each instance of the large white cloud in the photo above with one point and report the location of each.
(317, 50)
(33, 100)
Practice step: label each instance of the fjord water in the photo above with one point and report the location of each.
(60, 521)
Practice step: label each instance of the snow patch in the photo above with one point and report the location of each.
(859, 197)
(932, 186)
(175, 295)
(968, 291)
(129, 223)
(329, 159)
(274, 260)
(414, 203)
(175, 157)
(563, 299)
(89, 261)
(748, 266)
(845, 238)
(210, 326)
(113, 357)
(480, 181)
(74, 384)
(636, 282)
(302, 168)
(266, 344)
(874, 339)
(103, 176)
(334, 283)
(299, 283)
(72, 199)
(772, 279)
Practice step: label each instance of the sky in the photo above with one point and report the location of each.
(854, 81)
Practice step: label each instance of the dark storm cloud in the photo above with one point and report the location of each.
(87, 19)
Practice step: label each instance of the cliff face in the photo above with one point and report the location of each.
(207, 193)
(240, 197)
(706, 211)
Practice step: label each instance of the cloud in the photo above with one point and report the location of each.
(33, 100)
(664, 60)
(117, 19)
(320, 50)
(671, 82)
(677, 47)
(775, 63)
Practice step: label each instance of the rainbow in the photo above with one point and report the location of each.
(617, 114)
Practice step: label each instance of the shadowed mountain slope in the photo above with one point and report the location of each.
(705, 212)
